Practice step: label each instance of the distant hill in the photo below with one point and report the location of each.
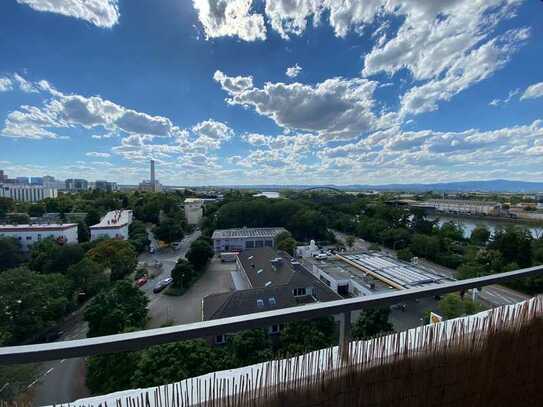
(498, 185)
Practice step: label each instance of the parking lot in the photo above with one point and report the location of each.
(188, 307)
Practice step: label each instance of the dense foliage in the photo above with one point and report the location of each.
(121, 307)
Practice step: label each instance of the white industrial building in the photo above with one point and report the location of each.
(27, 193)
(228, 240)
(29, 234)
(194, 210)
(465, 206)
(114, 225)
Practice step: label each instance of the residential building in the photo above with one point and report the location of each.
(76, 185)
(27, 193)
(29, 234)
(194, 210)
(114, 225)
(228, 240)
(22, 180)
(266, 280)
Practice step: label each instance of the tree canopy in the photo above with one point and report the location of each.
(118, 255)
(121, 307)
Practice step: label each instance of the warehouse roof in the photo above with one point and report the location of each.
(247, 233)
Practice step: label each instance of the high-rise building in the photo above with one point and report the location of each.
(3, 177)
(22, 180)
(105, 186)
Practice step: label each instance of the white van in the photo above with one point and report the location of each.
(228, 257)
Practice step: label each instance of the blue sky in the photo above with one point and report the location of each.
(272, 91)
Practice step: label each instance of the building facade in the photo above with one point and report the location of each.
(114, 225)
(76, 185)
(194, 210)
(228, 240)
(27, 193)
(27, 235)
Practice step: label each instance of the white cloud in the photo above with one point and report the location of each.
(290, 16)
(102, 13)
(97, 154)
(467, 70)
(336, 108)
(293, 71)
(211, 134)
(233, 84)
(230, 18)
(510, 96)
(533, 91)
(5, 84)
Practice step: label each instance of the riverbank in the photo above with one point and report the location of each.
(524, 221)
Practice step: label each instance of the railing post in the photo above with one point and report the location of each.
(345, 335)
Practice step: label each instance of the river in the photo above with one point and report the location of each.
(492, 224)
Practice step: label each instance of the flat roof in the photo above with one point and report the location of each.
(32, 227)
(340, 270)
(113, 219)
(390, 269)
(247, 233)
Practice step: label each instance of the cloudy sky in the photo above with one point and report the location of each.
(272, 91)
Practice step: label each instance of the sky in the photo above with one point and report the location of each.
(223, 92)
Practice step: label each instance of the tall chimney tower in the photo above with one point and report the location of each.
(153, 181)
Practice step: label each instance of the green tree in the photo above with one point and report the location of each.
(169, 230)
(288, 245)
(116, 310)
(177, 361)
(118, 255)
(88, 277)
(112, 372)
(6, 205)
(47, 256)
(36, 210)
(183, 274)
(92, 217)
(30, 303)
(372, 322)
(250, 347)
(304, 336)
(199, 254)
(11, 255)
(19, 218)
(453, 306)
(480, 235)
(138, 235)
(404, 254)
(83, 232)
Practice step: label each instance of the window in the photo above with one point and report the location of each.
(268, 243)
(39, 237)
(260, 303)
(259, 243)
(29, 238)
(272, 301)
(298, 292)
(249, 244)
(274, 329)
(220, 339)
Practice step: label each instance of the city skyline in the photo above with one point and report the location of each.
(255, 92)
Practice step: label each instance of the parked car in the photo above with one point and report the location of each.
(141, 281)
(176, 245)
(162, 284)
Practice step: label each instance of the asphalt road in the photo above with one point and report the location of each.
(64, 380)
(493, 296)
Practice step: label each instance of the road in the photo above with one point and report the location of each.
(64, 381)
(494, 295)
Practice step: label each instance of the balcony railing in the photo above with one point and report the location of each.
(143, 339)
